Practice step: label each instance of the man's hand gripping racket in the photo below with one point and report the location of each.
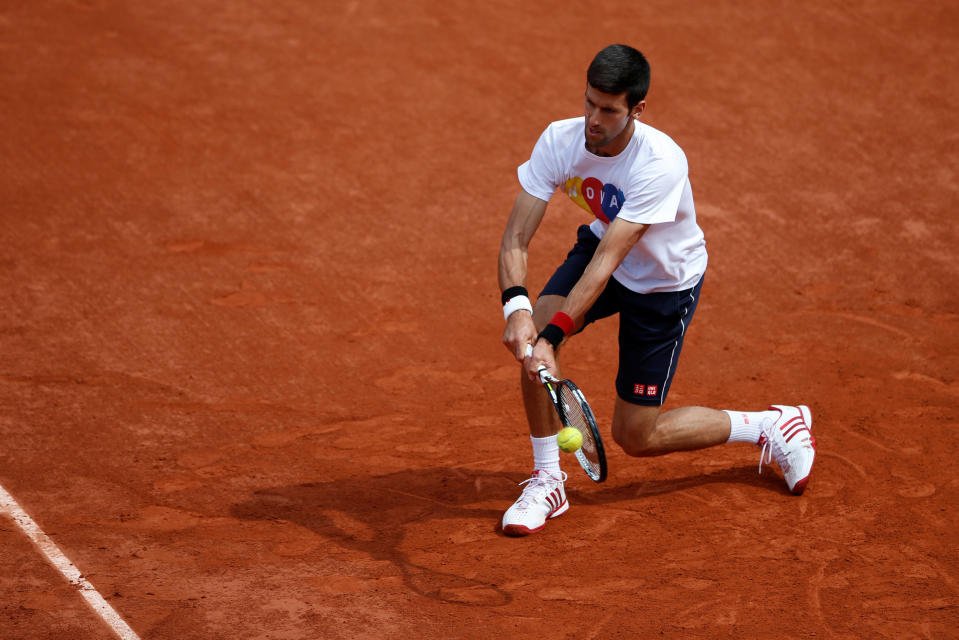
(574, 411)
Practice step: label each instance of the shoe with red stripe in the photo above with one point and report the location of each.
(543, 497)
(789, 441)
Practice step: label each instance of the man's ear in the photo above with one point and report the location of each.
(637, 111)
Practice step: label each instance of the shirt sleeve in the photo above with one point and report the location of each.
(655, 191)
(539, 176)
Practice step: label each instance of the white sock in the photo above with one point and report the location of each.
(546, 454)
(744, 426)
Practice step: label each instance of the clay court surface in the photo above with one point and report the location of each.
(251, 383)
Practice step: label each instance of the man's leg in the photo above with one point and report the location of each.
(643, 431)
(544, 496)
(786, 432)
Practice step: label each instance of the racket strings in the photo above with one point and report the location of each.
(576, 417)
(572, 409)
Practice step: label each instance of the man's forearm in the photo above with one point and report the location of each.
(620, 237)
(512, 267)
(588, 289)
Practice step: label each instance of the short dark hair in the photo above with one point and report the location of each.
(620, 69)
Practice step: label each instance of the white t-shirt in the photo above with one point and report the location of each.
(648, 182)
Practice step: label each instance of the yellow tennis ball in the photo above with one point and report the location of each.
(569, 439)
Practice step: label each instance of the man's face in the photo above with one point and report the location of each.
(608, 121)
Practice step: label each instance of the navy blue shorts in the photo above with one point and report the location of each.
(652, 326)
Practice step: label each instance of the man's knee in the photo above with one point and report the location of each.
(634, 429)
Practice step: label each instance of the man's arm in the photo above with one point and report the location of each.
(524, 219)
(620, 237)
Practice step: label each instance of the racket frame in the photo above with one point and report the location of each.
(552, 388)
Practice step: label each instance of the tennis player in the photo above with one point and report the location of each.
(643, 257)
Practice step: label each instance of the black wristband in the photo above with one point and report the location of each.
(552, 334)
(512, 292)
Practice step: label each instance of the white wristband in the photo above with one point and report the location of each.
(515, 304)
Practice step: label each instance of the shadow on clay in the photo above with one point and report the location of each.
(371, 514)
(745, 475)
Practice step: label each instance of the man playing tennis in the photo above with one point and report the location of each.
(643, 257)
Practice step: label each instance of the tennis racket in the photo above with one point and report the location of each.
(574, 411)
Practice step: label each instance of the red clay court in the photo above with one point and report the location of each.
(251, 383)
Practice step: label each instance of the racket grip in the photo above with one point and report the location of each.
(544, 374)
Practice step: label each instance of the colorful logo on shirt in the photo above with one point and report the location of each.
(602, 200)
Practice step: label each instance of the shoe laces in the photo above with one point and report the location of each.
(766, 453)
(539, 485)
(771, 447)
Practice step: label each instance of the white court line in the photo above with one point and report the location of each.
(9, 506)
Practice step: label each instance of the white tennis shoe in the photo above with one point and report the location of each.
(543, 497)
(789, 441)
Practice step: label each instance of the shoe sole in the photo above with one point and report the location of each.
(518, 530)
(800, 485)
